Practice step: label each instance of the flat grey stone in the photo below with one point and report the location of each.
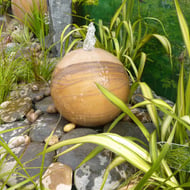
(130, 129)
(44, 103)
(30, 160)
(90, 175)
(23, 127)
(75, 157)
(15, 110)
(44, 125)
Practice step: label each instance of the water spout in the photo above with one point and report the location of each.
(90, 39)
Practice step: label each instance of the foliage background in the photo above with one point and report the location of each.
(158, 72)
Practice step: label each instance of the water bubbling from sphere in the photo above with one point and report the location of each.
(90, 39)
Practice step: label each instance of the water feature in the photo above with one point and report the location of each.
(90, 39)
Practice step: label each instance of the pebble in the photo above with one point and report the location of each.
(68, 127)
(15, 109)
(35, 87)
(5, 104)
(141, 113)
(29, 158)
(38, 97)
(18, 141)
(52, 140)
(58, 176)
(44, 125)
(33, 115)
(51, 109)
(90, 174)
(127, 128)
(10, 130)
(47, 92)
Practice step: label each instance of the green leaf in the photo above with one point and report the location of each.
(181, 93)
(116, 15)
(166, 124)
(68, 150)
(150, 107)
(112, 142)
(91, 155)
(164, 41)
(187, 99)
(156, 164)
(153, 147)
(9, 151)
(114, 123)
(117, 161)
(183, 26)
(119, 103)
(141, 66)
(132, 64)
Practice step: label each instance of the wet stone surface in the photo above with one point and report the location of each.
(15, 129)
(29, 159)
(15, 110)
(43, 127)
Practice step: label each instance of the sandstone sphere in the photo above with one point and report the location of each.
(75, 93)
(22, 7)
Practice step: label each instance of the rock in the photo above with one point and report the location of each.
(15, 129)
(141, 113)
(38, 97)
(44, 103)
(68, 127)
(126, 128)
(14, 110)
(29, 159)
(11, 47)
(44, 125)
(20, 91)
(33, 115)
(138, 97)
(23, 9)
(58, 176)
(35, 87)
(47, 92)
(90, 175)
(32, 90)
(51, 109)
(52, 140)
(75, 157)
(8, 165)
(19, 141)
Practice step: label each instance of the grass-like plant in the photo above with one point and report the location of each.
(22, 68)
(17, 67)
(122, 38)
(4, 5)
(8, 68)
(85, 2)
(155, 162)
(181, 109)
(150, 162)
(7, 153)
(37, 20)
